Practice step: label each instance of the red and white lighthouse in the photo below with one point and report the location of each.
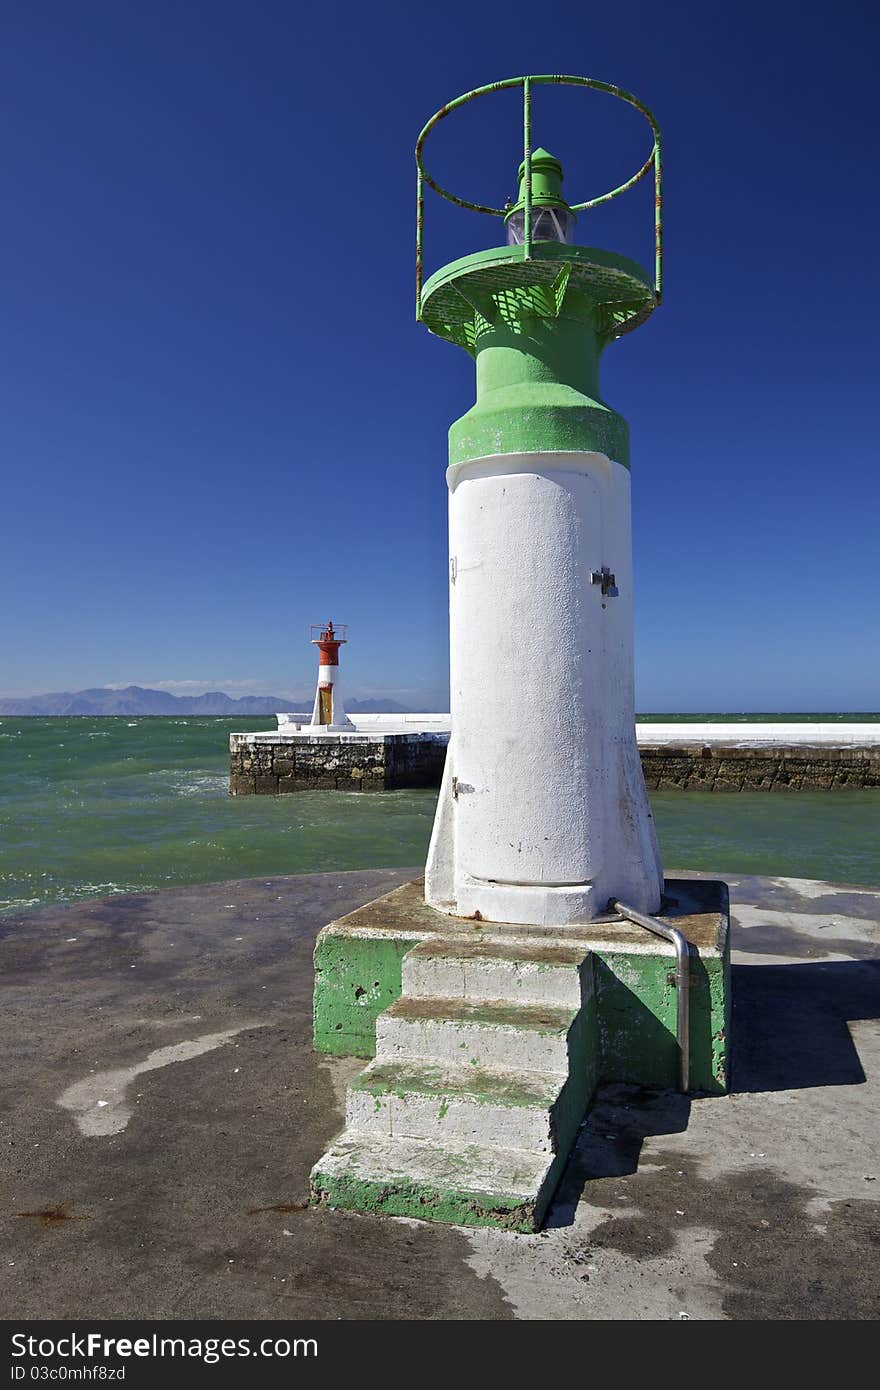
(328, 713)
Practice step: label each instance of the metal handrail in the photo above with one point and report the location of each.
(682, 981)
(423, 177)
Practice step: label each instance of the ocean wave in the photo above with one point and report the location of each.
(71, 893)
(18, 904)
(104, 890)
(187, 783)
(202, 786)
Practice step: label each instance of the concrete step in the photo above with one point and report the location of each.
(466, 1184)
(467, 1104)
(520, 972)
(517, 1037)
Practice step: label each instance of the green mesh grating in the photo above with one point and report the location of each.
(465, 299)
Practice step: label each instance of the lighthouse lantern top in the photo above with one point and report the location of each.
(539, 260)
(327, 632)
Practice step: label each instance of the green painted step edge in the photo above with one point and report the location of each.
(566, 1111)
(478, 1084)
(543, 1019)
(423, 1201)
(541, 956)
(430, 1202)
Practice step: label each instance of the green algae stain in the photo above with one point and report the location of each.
(345, 1020)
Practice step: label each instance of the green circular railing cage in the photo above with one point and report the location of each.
(423, 177)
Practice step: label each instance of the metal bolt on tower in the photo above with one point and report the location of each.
(543, 816)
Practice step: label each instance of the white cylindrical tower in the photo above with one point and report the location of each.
(544, 805)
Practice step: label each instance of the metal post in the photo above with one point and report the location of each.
(527, 161)
(420, 229)
(658, 218)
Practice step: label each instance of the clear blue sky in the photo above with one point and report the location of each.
(210, 361)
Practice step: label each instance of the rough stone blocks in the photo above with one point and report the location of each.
(262, 764)
(268, 764)
(730, 768)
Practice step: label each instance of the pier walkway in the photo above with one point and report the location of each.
(162, 1107)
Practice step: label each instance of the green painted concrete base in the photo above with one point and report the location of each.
(637, 1015)
(355, 979)
(412, 1160)
(358, 974)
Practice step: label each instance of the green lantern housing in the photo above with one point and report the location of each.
(551, 217)
(537, 313)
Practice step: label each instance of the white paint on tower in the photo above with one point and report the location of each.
(543, 815)
(329, 685)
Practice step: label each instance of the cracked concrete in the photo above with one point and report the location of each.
(761, 1205)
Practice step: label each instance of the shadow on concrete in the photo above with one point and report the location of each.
(789, 1033)
(610, 1140)
(634, 1042)
(790, 1023)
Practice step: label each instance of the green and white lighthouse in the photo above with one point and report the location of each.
(544, 954)
(543, 817)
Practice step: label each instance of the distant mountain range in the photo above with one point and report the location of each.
(134, 699)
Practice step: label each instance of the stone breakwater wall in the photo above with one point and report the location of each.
(271, 764)
(717, 767)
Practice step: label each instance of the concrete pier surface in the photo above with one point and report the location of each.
(161, 1107)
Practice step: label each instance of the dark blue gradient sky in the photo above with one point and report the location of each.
(210, 365)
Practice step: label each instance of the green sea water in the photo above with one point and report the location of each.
(92, 807)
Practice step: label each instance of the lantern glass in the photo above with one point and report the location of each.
(548, 224)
